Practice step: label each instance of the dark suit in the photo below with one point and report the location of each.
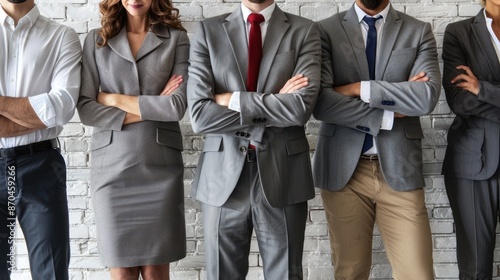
(269, 194)
(407, 47)
(472, 156)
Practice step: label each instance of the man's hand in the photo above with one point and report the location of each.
(107, 99)
(295, 83)
(467, 81)
(173, 83)
(351, 90)
(420, 77)
(223, 98)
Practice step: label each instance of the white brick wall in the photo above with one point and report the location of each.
(83, 16)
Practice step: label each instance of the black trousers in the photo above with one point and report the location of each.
(475, 206)
(33, 189)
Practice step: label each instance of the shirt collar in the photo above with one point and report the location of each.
(489, 21)
(31, 16)
(361, 14)
(267, 12)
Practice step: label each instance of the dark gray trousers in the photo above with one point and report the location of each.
(228, 233)
(475, 212)
(38, 199)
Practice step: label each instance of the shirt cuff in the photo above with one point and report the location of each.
(365, 94)
(387, 120)
(234, 102)
(43, 108)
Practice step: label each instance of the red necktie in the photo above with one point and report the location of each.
(254, 50)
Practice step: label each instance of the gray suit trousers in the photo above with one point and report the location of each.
(475, 210)
(228, 232)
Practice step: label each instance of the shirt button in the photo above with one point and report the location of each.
(243, 149)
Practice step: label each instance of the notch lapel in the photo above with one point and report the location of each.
(152, 40)
(390, 34)
(483, 39)
(352, 29)
(119, 44)
(236, 34)
(277, 28)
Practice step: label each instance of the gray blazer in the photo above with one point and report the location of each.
(273, 122)
(407, 48)
(114, 69)
(473, 138)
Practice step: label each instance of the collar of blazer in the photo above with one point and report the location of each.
(236, 34)
(392, 27)
(483, 38)
(119, 44)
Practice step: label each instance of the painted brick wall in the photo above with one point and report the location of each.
(83, 15)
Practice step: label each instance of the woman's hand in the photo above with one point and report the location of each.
(173, 83)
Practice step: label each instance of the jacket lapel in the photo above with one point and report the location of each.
(483, 39)
(152, 40)
(119, 44)
(353, 31)
(236, 34)
(391, 31)
(277, 28)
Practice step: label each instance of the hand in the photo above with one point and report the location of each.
(398, 115)
(105, 98)
(223, 98)
(295, 83)
(173, 83)
(352, 90)
(420, 77)
(467, 80)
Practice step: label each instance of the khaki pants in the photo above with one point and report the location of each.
(400, 216)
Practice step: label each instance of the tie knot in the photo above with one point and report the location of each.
(255, 18)
(371, 20)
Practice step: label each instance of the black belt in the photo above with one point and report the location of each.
(29, 149)
(369, 157)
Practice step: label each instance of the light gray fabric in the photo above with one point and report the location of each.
(473, 138)
(273, 122)
(137, 169)
(407, 47)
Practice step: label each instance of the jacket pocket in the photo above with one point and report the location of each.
(101, 139)
(212, 144)
(464, 151)
(297, 146)
(413, 131)
(169, 138)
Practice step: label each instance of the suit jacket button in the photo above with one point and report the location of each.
(264, 120)
(384, 103)
(255, 120)
(393, 103)
(247, 135)
(243, 149)
(237, 133)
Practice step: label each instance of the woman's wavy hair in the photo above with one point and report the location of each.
(483, 2)
(113, 16)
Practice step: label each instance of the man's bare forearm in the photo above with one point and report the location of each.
(19, 111)
(9, 128)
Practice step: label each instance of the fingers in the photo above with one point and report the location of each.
(295, 83)
(417, 77)
(173, 83)
(467, 70)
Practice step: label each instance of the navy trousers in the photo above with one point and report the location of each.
(33, 189)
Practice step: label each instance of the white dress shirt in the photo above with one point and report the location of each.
(40, 59)
(365, 91)
(494, 38)
(234, 102)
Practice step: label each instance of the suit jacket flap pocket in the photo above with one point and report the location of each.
(101, 139)
(297, 146)
(169, 138)
(413, 131)
(212, 144)
(326, 129)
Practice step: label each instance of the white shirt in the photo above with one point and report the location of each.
(40, 59)
(365, 91)
(494, 39)
(234, 102)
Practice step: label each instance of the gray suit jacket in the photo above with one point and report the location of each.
(112, 69)
(407, 48)
(273, 122)
(473, 138)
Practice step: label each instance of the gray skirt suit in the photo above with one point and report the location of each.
(136, 169)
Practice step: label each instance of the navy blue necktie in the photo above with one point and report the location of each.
(371, 54)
